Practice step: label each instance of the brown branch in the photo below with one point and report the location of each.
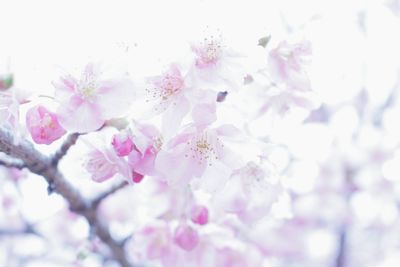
(12, 164)
(69, 142)
(95, 202)
(44, 166)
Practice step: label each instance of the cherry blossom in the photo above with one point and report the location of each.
(168, 94)
(215, 64)
(102, 161)
(250, 191)
(287, 65)
(193, 152)
(43, 125)
(88, 101)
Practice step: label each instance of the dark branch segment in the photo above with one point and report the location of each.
(39, 164)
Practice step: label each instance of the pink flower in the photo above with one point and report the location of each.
(43, 125)
(122, 143)
(199, 214)
(147, 142)
(215, 64)
(250, 192)
(286, 64)
(102, 161)
(191, 153)
(101, 166)
(86, 103)
(186, 237)
(168, 93)
(208, 53)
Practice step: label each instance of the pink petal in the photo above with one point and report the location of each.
(204, 114)
(80, 116)
(186, 237)
(114, 97)
(199, 215)
(173, 116)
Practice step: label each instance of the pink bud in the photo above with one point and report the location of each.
(122, 143)
(186, 237)
(137, 177)
(199, 215)
(43, 125)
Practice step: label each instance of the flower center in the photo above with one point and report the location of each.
(171, 86)
(87, 92)
(211, 50)
(203, 150)
(87, 87)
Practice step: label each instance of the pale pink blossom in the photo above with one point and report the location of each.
(168, 94)
(88, 101)
(101, 166)
(191, 153)
(250, 192)
(122, 143)
(43, 125)
(215, 64)
(103, 163)
(186, 237)
(287, 65)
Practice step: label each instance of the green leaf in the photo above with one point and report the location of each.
(9, 81)
(6, 82)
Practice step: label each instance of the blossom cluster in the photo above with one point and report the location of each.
(181, 152)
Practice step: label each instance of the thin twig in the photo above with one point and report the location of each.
(95, 202)
(69, 142)
(39, 164)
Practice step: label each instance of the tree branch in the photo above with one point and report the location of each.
(95, 202)
(12, 164)
(69, 142)
(44, 166)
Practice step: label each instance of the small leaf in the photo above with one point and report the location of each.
(6, 82)
(264, 41)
